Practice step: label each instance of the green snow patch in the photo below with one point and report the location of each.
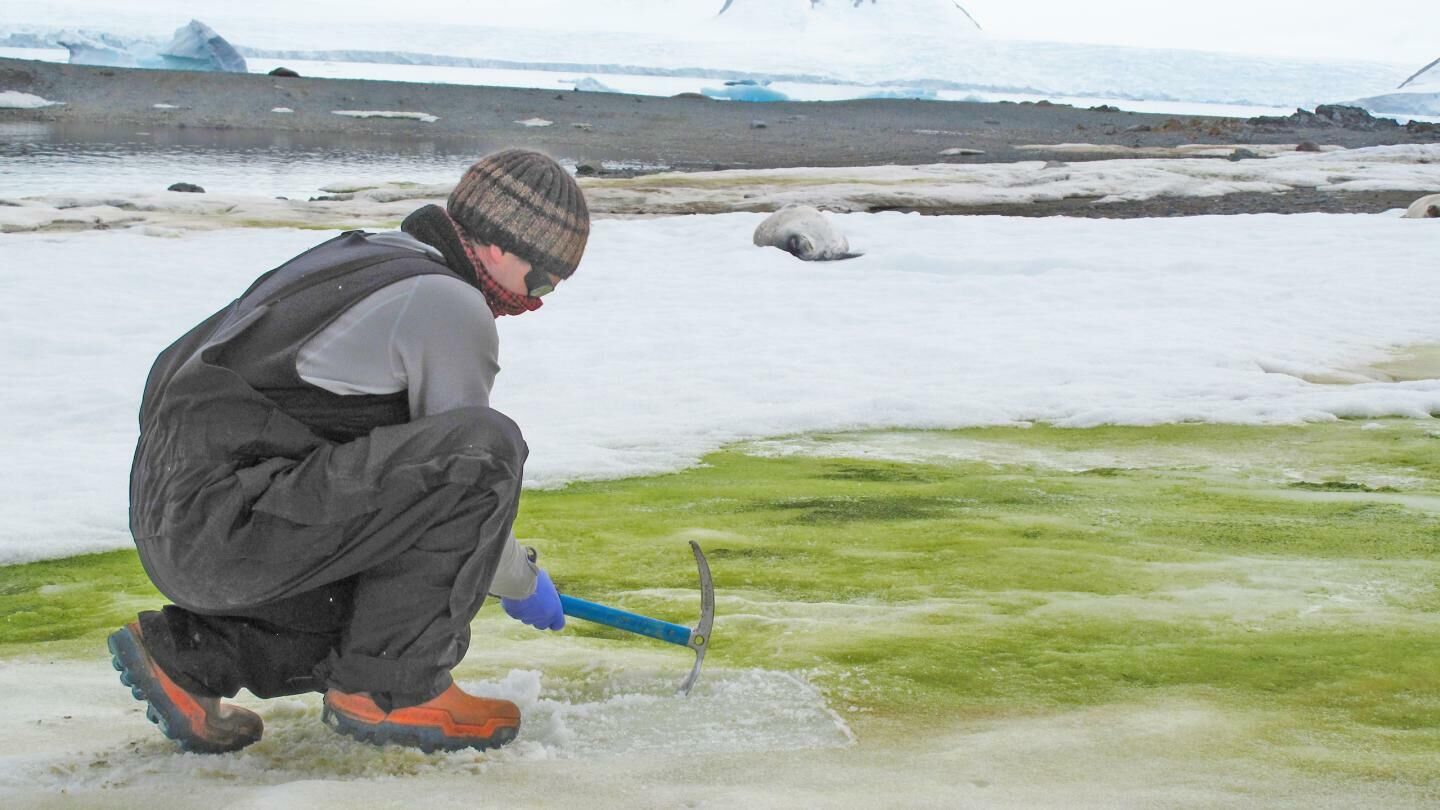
(1271, 588)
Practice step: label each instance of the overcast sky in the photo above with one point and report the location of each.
(1405, 31)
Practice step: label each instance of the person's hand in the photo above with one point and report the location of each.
(541, 610)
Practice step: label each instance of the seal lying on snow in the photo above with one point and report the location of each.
(1424, 208)
(805, 233)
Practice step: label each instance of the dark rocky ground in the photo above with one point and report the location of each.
(688, 133)
(1308, 201)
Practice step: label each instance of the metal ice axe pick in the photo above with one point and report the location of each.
(697, 639)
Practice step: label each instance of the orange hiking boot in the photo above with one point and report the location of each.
(200, 724)
(449, 721)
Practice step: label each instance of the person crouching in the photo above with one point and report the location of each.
(322, 490)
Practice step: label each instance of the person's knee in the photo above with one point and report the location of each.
(486, 431)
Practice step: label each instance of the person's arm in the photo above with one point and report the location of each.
(447, 350)
(443, 351)
(515, 573)
(445, 347)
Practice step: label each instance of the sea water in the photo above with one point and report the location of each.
(40, 158)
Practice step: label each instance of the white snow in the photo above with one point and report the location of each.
(414, 116)
(15, 100)
(945, 322)
(535, 122)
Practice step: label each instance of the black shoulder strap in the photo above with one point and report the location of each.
(268, 289)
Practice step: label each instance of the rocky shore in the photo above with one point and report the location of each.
(617, 134)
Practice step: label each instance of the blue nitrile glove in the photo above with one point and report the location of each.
(541, 610)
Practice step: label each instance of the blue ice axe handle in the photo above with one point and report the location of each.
(697, 639)
(624, 620)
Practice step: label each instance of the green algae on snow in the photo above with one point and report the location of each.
(923, 579)
(77, 598)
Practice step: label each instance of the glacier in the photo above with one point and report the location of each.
(924, 45)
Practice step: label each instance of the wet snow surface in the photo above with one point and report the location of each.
(71, 736)
(82, 733)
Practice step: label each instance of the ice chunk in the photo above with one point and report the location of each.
(92, 48)
(194, 46)
(745, 92)
(730, 712)
(15, 100)
(414, 116)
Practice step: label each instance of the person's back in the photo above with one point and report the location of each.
(321, 488)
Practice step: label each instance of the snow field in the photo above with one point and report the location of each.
(677, 336)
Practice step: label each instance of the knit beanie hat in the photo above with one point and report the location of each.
(524, 203)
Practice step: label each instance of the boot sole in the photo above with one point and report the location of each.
(129, 660)
(428, 740)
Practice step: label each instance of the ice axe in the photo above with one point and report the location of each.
(697, 639)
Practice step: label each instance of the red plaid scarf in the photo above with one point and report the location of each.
(501, 300)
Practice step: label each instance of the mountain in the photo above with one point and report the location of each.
(1417, 95)
(1428, 75)
(919, 18)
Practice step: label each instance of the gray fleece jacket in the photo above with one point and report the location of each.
(431, 336)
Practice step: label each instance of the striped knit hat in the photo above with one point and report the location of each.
(524, 203)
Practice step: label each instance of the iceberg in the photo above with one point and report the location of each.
(195, 46)
(745, 91)
(93, 48)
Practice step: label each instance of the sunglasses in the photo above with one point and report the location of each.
(539, 283)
